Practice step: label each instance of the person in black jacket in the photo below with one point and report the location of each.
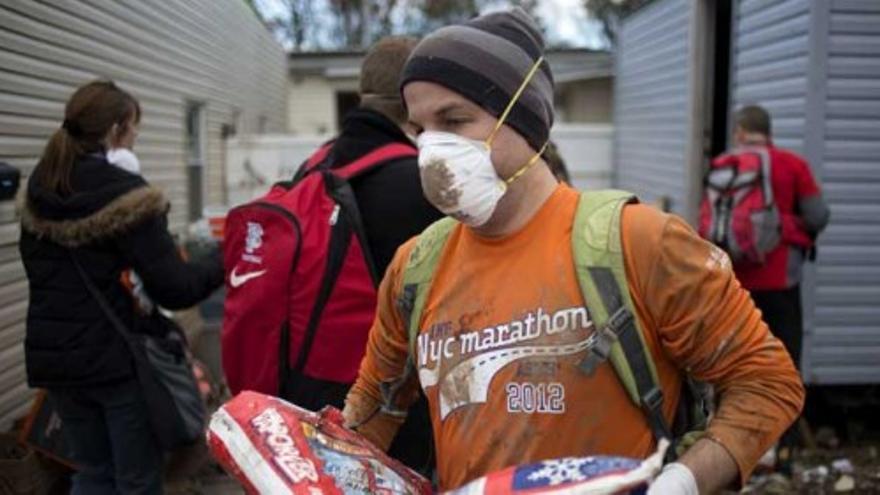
(389, 198)
(78, 205)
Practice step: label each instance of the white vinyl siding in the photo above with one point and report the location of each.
(165, 52)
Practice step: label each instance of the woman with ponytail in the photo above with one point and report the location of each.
(79, 206)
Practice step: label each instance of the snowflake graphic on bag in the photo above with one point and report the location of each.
(598, 475)
(560, 471)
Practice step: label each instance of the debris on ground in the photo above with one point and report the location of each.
(851, 470)
(846, 483)
(842, 466)
(826, 438)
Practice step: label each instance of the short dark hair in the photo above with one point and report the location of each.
(753, 118)
(380, 76)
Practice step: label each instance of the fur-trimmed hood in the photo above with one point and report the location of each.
(117, 217)
(107, 202)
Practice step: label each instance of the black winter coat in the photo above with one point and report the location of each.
(113, 221)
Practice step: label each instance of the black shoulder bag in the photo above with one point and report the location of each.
(164, 372)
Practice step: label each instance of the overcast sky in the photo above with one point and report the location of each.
(566, 21)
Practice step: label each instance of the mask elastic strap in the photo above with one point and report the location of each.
(513, 100)
(527, 166)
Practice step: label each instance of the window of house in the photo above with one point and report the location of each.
(195, 157)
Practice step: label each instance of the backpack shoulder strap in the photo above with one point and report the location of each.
(418, 275)
(598, 254)
(385, 153)
(766, 175)
(314, 161)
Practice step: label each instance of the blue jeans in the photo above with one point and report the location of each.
(114, 445)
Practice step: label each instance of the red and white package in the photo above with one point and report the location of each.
(274, 447)
(597, 475)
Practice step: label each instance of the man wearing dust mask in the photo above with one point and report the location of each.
(512, 315)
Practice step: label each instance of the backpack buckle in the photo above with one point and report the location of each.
(652, 403)
(600, 351)
(653, 400)
(619, 321)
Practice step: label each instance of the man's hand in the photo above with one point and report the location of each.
(676, 479)
(710, 465)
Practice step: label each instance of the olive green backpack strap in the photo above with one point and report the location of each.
(418, 273)
(598, 256)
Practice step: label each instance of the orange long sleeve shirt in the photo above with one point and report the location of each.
(505, 325)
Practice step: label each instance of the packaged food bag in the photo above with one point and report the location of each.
(598, 475)
(274, 447)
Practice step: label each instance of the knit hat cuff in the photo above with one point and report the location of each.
(480, 90)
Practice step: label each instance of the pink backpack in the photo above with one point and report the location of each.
(301, 284)
(738, 212)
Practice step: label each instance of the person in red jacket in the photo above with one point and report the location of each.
(775, 285)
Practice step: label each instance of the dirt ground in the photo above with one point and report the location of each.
(820, 471)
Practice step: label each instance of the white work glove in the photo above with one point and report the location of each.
(675, 479)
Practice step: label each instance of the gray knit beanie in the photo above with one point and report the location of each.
(485, 60)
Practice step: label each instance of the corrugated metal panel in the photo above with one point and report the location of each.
(769, 67)
(844, 343)
(165, 52)
(652, 116)
(816, 67)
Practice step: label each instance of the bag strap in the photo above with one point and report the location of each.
(111, 315)
(598, 255)
(766, 175)
(344, 195)
(766, 169)
(418, 275)
(388, 152)
(313, 162)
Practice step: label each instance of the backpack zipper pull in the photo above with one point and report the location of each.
(334, 217)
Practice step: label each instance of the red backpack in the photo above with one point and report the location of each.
(301, 284)
(738, 212)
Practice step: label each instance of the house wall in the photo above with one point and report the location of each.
(653, 103)
(586, 102)
(843, 145)
(165, 52)
(582, 98)
(815, 65)
(311, 102)
(770, 64)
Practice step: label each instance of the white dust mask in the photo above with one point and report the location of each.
(458, 177)
(125, 159)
